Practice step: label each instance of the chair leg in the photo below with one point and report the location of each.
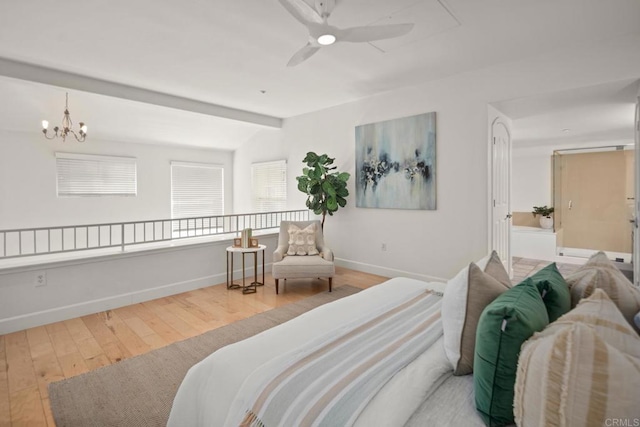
(277, 280)
(330, 282)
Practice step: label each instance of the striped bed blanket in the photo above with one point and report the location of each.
(330, 380)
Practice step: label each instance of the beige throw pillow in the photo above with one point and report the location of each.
(495, 268)
(600, 273)
(600, 313)
(302, 241)
(483, 289)
(574, 378)
(581, 370)
(457, 297)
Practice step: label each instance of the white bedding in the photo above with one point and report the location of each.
(210, 386)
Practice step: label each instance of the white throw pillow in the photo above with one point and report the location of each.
(302, 241)
(454, 306)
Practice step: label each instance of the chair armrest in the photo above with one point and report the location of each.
(279, 253)
(326, 253)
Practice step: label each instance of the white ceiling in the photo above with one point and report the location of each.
(590, 116)
(227, 52)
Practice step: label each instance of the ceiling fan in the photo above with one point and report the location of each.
(322, 34)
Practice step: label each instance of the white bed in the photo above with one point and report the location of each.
(210, 388)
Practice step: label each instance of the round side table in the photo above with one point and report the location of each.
(251, 287)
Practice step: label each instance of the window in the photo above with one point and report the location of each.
(197, 189)
(269, 182)
(82, 175)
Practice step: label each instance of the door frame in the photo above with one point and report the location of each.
(635, 258)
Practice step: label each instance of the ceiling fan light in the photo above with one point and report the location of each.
(326, 39)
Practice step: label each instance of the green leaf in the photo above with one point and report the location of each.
(328, 188)
(344, 176)
(341, 201)
(332, 204)
(310, 157)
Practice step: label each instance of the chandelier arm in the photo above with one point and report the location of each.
(67, 125)
(75, 135)
(46, 134)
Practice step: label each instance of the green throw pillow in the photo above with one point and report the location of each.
(554, 291)
(504, 326)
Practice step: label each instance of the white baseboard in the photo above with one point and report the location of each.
(384, 271)
(44, 317)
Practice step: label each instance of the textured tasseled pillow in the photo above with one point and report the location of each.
(575, 378)
(600, 273)
(302, 241)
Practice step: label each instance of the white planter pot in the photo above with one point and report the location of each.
(546, 222)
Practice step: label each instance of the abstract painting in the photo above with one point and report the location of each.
(396, 163)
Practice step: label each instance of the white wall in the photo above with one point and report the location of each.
(530, 182)
(79, 287)
(433, 244)
(28, 181)
(265, 146)
(28, 199)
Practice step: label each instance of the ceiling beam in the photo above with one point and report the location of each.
(50, 76)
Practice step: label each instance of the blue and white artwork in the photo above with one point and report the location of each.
(396, 163)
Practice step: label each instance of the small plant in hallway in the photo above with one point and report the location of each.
(326, 188)
(543, 211)
(546, 221)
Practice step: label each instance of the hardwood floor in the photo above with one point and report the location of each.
(33, 358)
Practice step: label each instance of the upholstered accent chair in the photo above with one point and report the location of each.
(288, 259)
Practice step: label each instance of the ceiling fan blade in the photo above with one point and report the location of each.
(303, 54)
(373, 32)
(302, 11)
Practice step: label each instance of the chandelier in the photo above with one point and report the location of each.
(66, 127)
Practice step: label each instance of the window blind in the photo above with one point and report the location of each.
(269, 183)
(83, 175)
(197, 189)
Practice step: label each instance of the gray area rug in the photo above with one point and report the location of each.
(140, 391)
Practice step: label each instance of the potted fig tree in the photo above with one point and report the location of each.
(326, 188)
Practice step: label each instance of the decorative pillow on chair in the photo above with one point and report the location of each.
(302, 241)
(600, 272)
(466, 295)
(506, 323)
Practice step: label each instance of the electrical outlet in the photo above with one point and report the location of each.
(384, 247)
(40, 279)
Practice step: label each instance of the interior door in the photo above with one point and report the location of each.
(501, 190)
